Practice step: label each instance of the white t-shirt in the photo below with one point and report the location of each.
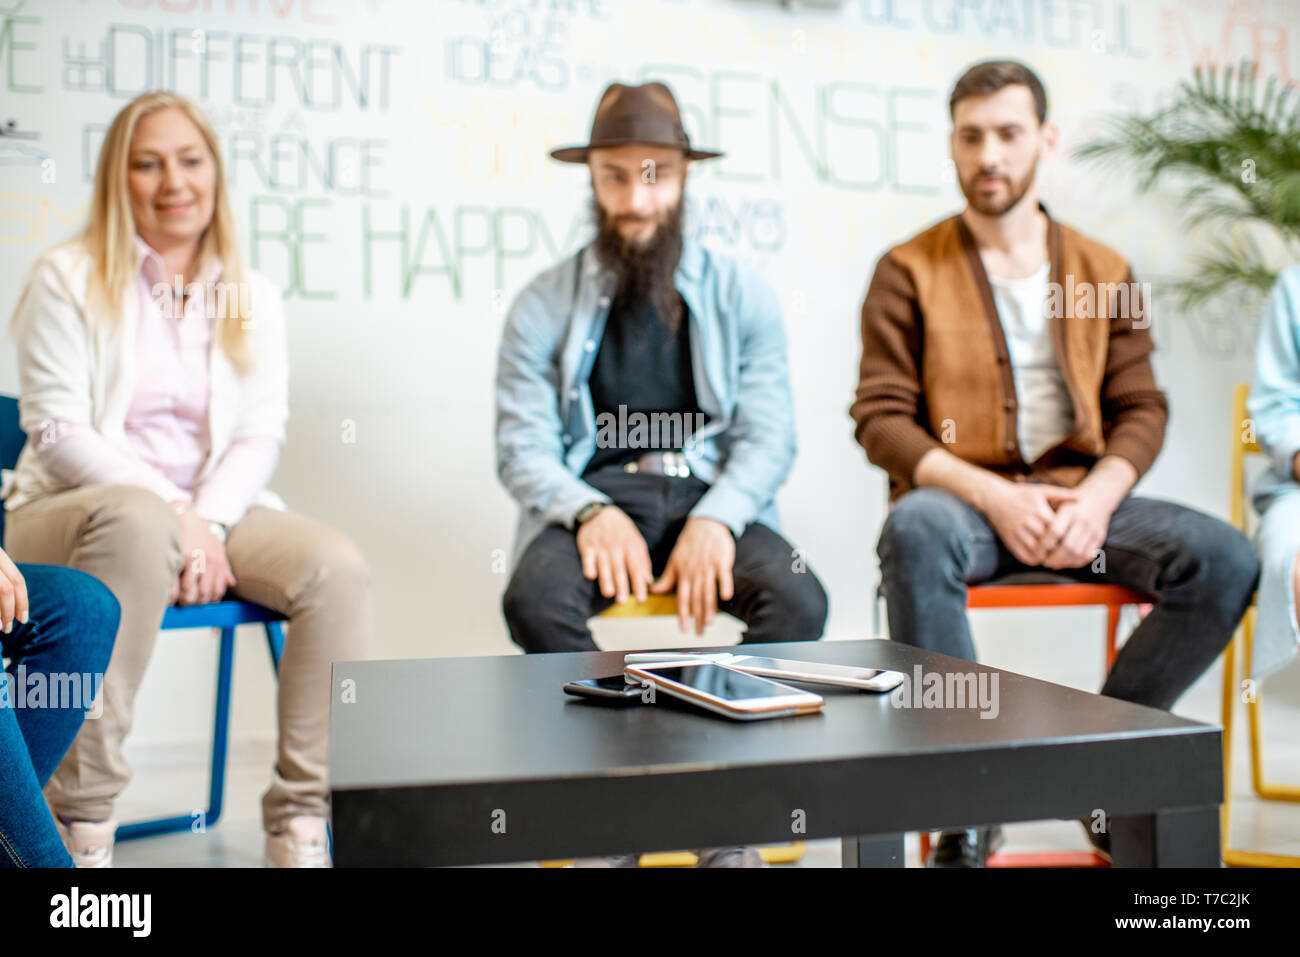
(1045, 414)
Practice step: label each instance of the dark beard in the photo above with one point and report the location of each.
(644, 273)
(1015, 193)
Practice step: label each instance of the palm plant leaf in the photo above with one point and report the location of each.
(1233, 145)
(1226, 266)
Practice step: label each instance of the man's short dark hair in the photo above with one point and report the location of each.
(991, 76)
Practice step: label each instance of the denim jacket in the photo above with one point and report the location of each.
(545, 422)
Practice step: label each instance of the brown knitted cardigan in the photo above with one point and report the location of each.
(936, 373)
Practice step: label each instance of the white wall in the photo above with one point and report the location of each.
(835, 125)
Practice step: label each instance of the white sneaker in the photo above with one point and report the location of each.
(303, 843)
(89, 842)
(730, 857)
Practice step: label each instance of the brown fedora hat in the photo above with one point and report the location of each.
(635, 114)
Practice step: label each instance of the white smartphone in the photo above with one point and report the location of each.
(724, 690)
(811, 672)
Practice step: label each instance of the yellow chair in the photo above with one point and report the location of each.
(653, 605)
(772, 854)
(1243, 442)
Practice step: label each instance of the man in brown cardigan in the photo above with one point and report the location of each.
(1006, 388)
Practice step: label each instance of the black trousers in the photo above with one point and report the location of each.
(548, 601)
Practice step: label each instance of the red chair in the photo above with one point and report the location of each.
(1047, 590)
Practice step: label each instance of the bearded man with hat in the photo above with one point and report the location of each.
(646, 326)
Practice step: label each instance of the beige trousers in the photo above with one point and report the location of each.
(129, 539)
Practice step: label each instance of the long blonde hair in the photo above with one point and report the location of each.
(110, 232)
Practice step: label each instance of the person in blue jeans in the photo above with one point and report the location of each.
(1274, 407)
(57, 627)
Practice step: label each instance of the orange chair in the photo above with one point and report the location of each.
(1036, 589)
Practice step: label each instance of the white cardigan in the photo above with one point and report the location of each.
(72, 369)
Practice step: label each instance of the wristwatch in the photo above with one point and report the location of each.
(586, 512)
(217, 529)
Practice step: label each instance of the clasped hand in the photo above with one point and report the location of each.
(1049, 526)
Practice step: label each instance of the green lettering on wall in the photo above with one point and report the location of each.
(9, 41)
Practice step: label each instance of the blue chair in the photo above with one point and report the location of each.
(222, 615)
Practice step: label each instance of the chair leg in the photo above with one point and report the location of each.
(217, 770)
(1229, 701)
(1112, 631)
(275, 642)
(221, 726)
(1269, 792)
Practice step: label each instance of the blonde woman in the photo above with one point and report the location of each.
(155, 394)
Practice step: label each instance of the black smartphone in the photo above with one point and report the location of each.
(611, 690)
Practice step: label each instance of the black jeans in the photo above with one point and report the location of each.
(1200, 570)
(548, 601)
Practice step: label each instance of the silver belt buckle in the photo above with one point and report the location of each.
(675, 465)
(672, 464)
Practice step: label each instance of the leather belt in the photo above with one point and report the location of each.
(672, 464)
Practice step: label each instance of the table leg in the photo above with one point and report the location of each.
(872, 850)
(1186, 837)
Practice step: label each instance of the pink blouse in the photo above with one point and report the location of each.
(167, 422)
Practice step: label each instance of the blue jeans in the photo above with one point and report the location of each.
(1200, 570)
(58, 656)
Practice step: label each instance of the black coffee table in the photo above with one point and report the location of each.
(484, 760)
